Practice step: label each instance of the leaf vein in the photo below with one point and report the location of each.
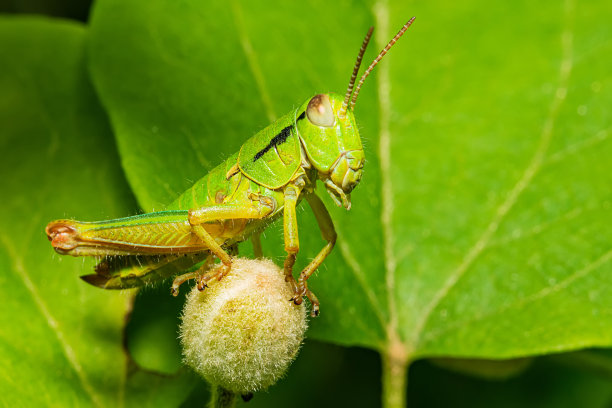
(53, 324)
(529, 173)
(247, 48)
(197, 149)
(360, 277)
(547, 291)
(577, 147)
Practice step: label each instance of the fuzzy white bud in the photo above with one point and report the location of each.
(242, 332)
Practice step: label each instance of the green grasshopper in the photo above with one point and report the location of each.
(236, 201)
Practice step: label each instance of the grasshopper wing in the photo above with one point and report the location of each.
(123, 272)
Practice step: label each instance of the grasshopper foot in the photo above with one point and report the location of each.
(217, 273)
(201, 283)
(298, 297)
(179, 280)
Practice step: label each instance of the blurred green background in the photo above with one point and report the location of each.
(64, 344)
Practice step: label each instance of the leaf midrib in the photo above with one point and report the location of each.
(393, 341)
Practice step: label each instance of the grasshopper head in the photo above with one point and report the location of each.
(329, 134)
(332, 145)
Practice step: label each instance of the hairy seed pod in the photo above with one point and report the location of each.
(242, 332)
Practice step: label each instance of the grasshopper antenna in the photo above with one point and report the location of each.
(376, 61)
(349, 90)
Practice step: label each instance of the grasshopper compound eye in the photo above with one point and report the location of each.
(320, 112)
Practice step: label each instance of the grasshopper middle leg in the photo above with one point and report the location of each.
(204, 273)
(179, 280)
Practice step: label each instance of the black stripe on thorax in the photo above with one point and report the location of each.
(280, 138)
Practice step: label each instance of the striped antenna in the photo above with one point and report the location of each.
(377, 60)
(349, 90)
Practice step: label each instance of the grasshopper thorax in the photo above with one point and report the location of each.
(332, 145)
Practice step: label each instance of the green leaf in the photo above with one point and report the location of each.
(61, 340)
(478, 229)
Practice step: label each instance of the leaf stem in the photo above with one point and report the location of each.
(395, 364)
(221, 398)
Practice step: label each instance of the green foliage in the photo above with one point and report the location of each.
(486, 184)
(61, 342)
(479, 229)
